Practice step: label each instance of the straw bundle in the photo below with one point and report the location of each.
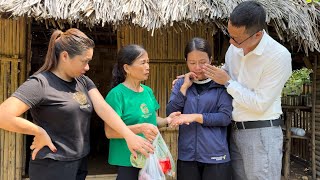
(294, 20)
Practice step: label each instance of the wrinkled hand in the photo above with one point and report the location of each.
(177, 78)
(138, 144)
(39, 141)
(182, 119)
(216, 74)
(172, 116)
(149, 131)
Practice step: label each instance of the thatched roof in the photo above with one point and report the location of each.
(294, 20)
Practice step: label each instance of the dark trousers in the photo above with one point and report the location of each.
(49, 169)
(192, 170)
(128, 173)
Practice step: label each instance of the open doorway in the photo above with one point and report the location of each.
(100, 72)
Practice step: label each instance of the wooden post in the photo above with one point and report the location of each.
(287, 118)
(313, 136)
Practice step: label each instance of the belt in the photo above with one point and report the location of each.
(257, 124)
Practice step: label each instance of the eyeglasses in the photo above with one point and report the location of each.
(243, 40)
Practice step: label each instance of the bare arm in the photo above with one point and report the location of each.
(168, 120)
(161, 122)
(110, 117)
(148, 130)
(10, 110)
(111, 133)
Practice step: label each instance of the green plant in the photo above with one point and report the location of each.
(310, 1)
(294, 85)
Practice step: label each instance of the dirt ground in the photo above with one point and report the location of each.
(98, 166)
(299, 171)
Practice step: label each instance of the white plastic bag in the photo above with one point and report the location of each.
(152, 169)
(160, 163)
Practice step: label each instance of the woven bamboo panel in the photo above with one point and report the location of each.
(12, 74)
(166, 44)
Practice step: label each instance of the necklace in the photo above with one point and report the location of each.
(202, 81)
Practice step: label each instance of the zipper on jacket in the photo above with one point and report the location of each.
(196, 150)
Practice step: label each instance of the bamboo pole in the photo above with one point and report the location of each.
(287, 145)
(1, 97)
(11, 138)
(314, 89)
(6, 133)
(1, 35)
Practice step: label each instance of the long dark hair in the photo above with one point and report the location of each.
(72, 41)
(126, 55)
(249, 14)
(198, 44)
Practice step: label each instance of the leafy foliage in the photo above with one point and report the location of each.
(295, 83)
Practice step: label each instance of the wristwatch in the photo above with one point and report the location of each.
(227, 83)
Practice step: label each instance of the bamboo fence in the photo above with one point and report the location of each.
(12, 73)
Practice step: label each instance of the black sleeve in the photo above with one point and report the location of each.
(89, 83)
(30, 92)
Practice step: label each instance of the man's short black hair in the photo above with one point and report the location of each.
(249, 14)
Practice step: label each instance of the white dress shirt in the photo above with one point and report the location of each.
(257, 79)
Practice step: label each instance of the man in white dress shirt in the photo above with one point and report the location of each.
(255, 71)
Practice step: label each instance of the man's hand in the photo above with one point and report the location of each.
(216, 74)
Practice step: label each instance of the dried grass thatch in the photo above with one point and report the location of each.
(294, 20)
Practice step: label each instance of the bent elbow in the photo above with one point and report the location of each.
(107, 131)
(108, 135)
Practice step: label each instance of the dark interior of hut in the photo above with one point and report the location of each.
(105, 39)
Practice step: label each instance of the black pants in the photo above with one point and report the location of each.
(128, 173)
(192, 170)
(49, 169)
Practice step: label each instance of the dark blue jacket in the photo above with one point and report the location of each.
(207, 142)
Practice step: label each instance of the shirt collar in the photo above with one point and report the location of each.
(262, 44)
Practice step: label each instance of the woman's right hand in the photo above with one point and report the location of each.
(139, 144)
(149, 131)
(39, 141)
(188, 80)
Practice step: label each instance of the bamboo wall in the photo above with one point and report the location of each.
(12, 74)
(316, 108)
(166, 53)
